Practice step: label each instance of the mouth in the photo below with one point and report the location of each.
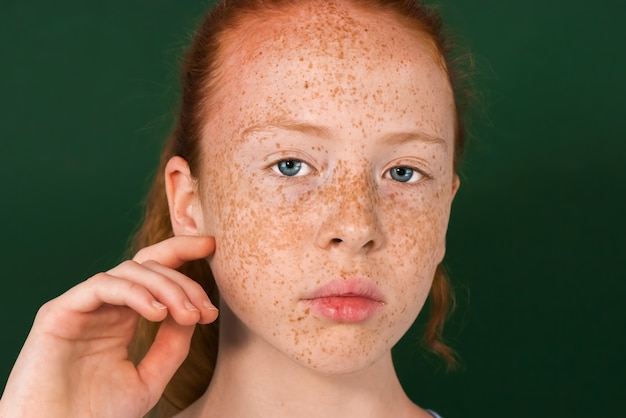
(346, 301)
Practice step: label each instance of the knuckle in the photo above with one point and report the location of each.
(149, 263)
(134, 288)
(126, 265)
(196, 287)
(140, 255)
(46, 309)
(98, 278)
(49, 314)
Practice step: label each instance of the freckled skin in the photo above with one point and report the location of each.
(279, 238)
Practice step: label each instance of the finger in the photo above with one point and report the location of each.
(104, 288)
(173, 252)
(193, 291)
(186, 300)
(164, 357)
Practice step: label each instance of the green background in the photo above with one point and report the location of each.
(536, 241)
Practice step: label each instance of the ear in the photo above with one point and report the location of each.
(182, 198)
(456, 183)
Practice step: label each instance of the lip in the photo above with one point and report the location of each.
(346, 300)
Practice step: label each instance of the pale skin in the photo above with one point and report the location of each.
(74, 362)
(349, 115)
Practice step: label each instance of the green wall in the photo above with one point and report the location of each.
(536, 241)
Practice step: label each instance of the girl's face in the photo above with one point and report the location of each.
(327, 182)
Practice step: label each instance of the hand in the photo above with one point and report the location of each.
(75, 363)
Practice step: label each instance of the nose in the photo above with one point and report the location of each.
(350, 222)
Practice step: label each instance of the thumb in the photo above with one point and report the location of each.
(168, 351)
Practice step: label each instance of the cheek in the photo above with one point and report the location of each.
(253, 230)
(417, 225)
(416, 240)
(258, 221)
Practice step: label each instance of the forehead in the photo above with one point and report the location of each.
(327, 27)
(329, 54)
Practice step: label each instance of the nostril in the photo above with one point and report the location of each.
(336, 240)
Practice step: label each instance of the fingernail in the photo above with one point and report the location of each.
(190, 306)
(158, 305)
(209, 305)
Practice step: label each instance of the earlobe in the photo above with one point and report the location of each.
(182, 198)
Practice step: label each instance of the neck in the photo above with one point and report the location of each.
(253, 380)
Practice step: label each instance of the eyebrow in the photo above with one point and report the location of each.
(399, 138)
(395, 138)
(292, 126)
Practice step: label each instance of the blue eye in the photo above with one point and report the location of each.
(404, 174)
(291, 168)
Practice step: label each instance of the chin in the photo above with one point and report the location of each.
(338, 365)
(343, 350)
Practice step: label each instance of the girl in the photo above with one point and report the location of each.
(306, 191)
